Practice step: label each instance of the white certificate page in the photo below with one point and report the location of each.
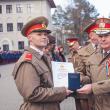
(60, 73)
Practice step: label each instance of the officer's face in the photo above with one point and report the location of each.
(94, 38)
(74, 47)
(38, 39)
(105, 42)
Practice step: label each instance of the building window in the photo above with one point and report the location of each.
(8, 8)
(19, 8)
(5, 47)
(9, 27)
(21, 45)
(0, 8)
(29, 8)
(1, 27)
(19, 26)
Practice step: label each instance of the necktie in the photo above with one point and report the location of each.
(96, 46)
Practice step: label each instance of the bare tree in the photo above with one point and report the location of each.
(75, 17)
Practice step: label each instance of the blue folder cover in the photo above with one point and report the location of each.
(73, 81)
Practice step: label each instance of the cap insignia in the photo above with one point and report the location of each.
(102, 25)
(44, 26)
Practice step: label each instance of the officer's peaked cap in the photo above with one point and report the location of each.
(38, 24)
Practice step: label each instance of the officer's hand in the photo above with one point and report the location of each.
(68, 92)
(87, 89)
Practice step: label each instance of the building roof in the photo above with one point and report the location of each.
(51, 2)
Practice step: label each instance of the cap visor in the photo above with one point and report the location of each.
(102, 32)
(47, 31)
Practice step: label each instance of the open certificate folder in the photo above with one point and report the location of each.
(60, 73)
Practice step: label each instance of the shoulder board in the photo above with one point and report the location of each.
(28, 56)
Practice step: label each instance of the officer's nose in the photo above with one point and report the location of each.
(103, 38)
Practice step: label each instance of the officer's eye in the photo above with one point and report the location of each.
(45, 34)
(39, 34)
(100, 36)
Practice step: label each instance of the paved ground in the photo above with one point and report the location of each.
(9, 96)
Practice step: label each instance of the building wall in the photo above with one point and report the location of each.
(39, 8)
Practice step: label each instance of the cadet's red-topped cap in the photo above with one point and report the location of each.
(38, 24)
(71, 41)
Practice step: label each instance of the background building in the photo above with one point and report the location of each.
(14, 14)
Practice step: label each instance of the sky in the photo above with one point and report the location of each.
(102, 6)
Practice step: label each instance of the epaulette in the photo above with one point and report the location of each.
(28, 56)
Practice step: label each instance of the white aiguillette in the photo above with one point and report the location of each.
(60, 73)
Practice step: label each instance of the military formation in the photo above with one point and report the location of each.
(33, 73)
(7, 57)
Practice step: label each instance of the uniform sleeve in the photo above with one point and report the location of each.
(101, 87)
(81, 68)
(28, 84)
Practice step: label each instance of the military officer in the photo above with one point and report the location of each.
(74, 46)
(86, 52)
(88, 62)
(49, 49)
(32, 72)
(100, 85)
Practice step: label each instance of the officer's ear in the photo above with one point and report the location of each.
(29, 37)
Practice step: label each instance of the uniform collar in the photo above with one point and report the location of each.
(106, 51)
(37, 50)
(79, 47)
(93, 45)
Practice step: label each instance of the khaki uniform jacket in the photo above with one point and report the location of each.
(77, 60)
(74, 59)
(34, 82)
(69, 56)
(100, 82)
(87, 66)
(88, 63)
(101, 87)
